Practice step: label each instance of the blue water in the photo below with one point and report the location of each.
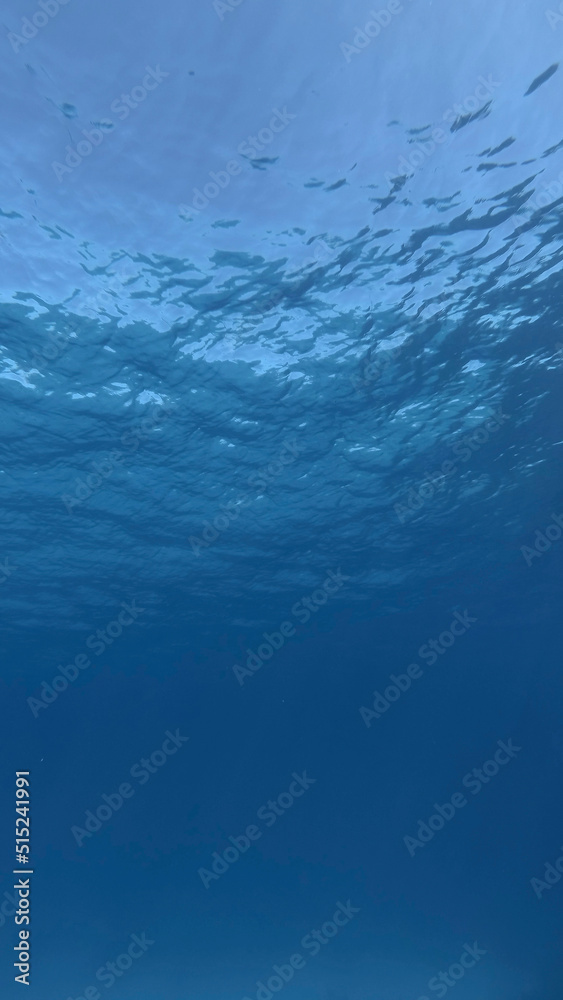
(281, 569)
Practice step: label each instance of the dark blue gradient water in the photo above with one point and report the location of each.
(281, 374)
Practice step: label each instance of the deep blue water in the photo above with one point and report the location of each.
(281, 372)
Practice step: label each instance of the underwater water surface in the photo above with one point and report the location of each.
(281, 368)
